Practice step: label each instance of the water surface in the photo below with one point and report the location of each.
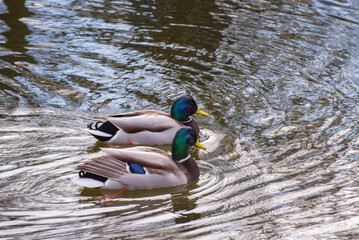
(279, 78)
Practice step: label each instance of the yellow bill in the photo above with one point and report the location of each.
(198, 144)
(200, 112)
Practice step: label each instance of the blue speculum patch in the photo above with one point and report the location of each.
(136, 168)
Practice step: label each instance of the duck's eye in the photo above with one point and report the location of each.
(188, 109)
(191, 141)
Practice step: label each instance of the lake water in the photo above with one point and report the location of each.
(279, 78)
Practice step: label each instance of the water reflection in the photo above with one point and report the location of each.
(16, 35)
(177, 201)
(12, 53)
(183, 206)
(184, 34)
(191, 24)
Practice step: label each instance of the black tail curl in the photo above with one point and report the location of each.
(83, 174)
(105, 127)
(94, 125)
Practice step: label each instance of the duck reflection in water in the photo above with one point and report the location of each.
(182, 206)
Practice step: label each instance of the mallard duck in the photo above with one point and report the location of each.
(142, 167)
(147, 127)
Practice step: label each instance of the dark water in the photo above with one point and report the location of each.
(279, 78)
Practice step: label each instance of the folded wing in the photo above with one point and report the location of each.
(150, 120)
(113, 164)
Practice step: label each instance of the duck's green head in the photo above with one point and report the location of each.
(184, 107)
(183, 140)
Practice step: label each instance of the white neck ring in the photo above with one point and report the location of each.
(190, 119)
(184, 159)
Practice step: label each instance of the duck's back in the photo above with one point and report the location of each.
(149, 120)
(149, 127)
(113, 168)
